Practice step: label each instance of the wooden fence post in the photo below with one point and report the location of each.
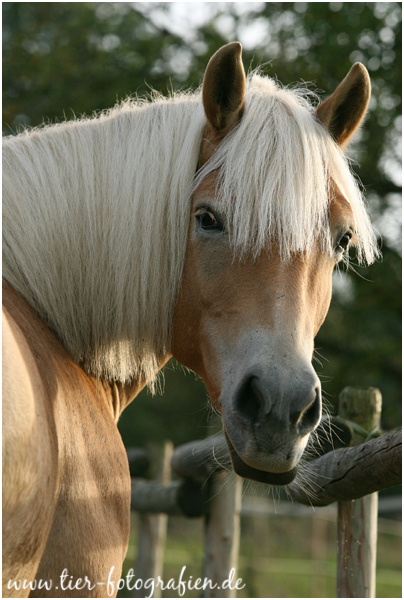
(153, 528)
(357, 519)
(222, 533)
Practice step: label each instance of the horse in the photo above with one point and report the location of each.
(204, 226)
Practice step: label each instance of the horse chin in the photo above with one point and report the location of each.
(244, 470)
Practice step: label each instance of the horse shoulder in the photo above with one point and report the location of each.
(29, 459)
(64, 457)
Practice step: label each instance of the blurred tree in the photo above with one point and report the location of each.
(75, 58)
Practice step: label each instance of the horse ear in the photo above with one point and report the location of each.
(223, 88)
(343, 111)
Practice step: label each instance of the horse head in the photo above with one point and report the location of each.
(248, 312)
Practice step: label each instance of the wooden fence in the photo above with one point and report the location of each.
(357, 463)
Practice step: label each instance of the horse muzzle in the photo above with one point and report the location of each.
(244, 470)
(267, 422)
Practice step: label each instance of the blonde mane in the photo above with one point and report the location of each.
(96, 213)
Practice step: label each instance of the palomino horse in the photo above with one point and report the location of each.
(117, 256)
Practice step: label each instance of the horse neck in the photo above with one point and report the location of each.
(95, 224)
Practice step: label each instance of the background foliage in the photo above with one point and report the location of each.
(65, 59)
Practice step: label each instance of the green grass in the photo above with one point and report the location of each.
(280, 557)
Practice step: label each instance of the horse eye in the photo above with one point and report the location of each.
(344, 241)
(207, 220)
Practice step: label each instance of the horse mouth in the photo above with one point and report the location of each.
(244, 470)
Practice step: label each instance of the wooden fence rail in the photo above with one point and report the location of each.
(344, 474)
(183, 497)
(351, 473)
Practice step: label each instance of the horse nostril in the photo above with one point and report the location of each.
(310, 416)
(298, 411)
(248, 402)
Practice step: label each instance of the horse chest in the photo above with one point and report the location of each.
(90, 528)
